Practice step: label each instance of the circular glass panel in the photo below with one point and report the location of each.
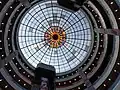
(55, 36)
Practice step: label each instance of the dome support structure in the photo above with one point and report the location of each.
(86, 80)
(8, 58)
(26, 3)
(108, 31)
(72, 4)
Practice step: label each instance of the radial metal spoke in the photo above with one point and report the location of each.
(38, 21)
(51, 56)
(65, 57)
(44, 54)
(31, 44)
(78, 39)
(75, 23)
(44, 15)
(67, 20)
(72, 53)
(76, 46)
(33, 28)
(78, 31)
(36, 52)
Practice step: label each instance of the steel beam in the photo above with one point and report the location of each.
(26, 3)
(108, 31)
(8, 58)
(86, 80)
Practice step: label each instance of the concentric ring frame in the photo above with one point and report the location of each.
(20, 18)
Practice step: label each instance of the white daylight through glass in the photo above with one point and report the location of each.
(52, 35)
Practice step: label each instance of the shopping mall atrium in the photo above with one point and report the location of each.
(79, 38)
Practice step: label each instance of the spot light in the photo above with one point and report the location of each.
(118, 63)
(6, 13)
(6, 86)
(111, 3)
(104, 85)
(78, 87)
(96, 58)
(96, 15)
(74, 79)
(79, 76)
(85, 72)
(89, 68)
(116, 10)
(115, 70)
(109, 79)
(64, 82)
(84, 84)
(58, 77)
(101, 40)
(13, 75)
(10, 6)
(99, 53)
(24, 84)
(10, 70)
(24, 72)
(28, 75)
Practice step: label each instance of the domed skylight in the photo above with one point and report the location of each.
(52, 35)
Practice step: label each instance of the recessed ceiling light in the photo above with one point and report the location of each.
(111, 3)
(6, 86)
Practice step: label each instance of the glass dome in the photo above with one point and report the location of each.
(55, 36)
